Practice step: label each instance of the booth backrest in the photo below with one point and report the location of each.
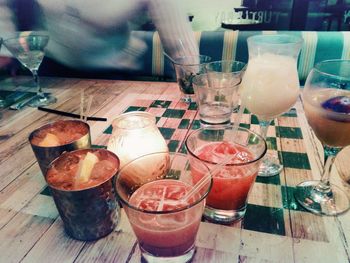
(222, 45)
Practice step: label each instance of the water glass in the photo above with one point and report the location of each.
(216, 99)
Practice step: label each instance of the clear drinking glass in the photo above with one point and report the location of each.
(270, 84)
(153, 190)
(186, 68)
(225, 72)
(232, 181)
(216, 99)
(30, 50)
(326, 100)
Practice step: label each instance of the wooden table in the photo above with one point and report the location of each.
(275, 228)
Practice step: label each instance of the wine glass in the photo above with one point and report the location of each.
(270, 85)
(326, 100)
(29, 50)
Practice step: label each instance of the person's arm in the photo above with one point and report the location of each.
(174, 28)
(7, 28)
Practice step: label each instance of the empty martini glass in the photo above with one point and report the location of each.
(29, 50)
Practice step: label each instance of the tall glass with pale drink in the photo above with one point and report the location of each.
(270, 85)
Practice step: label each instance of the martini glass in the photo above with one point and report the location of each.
(29, 50)
(270, 85)
(326, 100)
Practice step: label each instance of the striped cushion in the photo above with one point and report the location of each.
(230, 44)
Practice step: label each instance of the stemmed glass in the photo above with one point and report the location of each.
(29, 50)
(270, 85)
(326, 100)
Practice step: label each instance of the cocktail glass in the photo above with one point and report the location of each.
(152, 189)
(242, 151)
(81, 183)
(225, 73)
(51, 140)
(270, 84)
(186, 68)
(326, 100)
(29, 50)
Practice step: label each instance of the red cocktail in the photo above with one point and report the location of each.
(233, 158)
(232, 183)
(164, 220)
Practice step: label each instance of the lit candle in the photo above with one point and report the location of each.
(136, 134)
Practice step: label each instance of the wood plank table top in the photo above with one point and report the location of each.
(275, 228)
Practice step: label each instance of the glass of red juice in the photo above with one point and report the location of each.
(241, 150)
(87, 205)
(51, 140)
(164, 216)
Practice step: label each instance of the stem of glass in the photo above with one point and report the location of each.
(264, 126)
(36, 81)
(329, 156)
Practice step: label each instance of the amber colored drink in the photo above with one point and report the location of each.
(169, 234)
(329, 116)
(59, 133)
(81, 184)
(63, 173)
(232, 183)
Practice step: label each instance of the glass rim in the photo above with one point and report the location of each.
(290, 39)
(175, 154)
(175, 60)
(318, 66)
(233, 62)
(198, 79)
(31, 135)
(84, 189)
(224, 128)
(30, 35)
(144, 114)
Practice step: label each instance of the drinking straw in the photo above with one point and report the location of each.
(207, 177)
(87, 110)
(69, 114)
(165, 54)
(82, 104)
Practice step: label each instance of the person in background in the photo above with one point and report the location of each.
(96, 35)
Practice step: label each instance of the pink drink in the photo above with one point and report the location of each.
(231, 185)
(64, 171)
(59, 133)
(169, 234)
(328, 114)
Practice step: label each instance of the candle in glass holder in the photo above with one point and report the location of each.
(136, 134)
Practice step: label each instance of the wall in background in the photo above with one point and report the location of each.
(208, 13)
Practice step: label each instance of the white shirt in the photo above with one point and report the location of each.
(95, 34)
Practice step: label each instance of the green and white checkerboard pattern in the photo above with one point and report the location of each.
(271, 203)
